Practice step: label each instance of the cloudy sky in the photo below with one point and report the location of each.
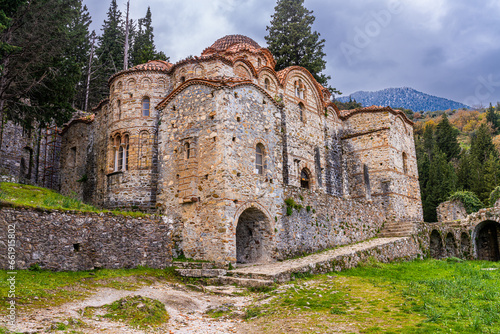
(448, 48)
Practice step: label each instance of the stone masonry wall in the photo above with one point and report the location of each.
(324, 221)
(83, 241)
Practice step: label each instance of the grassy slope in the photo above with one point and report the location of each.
(37, 197)
(416, 297)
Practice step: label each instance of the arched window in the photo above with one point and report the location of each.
(267, 84)
(144, 149)
(145, 106)
(119, 108)
(125, 145)
(305, 178)
(183, 79)
(302, 111)
(296, 88)
(189, 150)
(118, 150)
(405, 163)
(259, 63)
(259, 159)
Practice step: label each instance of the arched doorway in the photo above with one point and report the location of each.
(451, 249)
(253, 237)
(436, 245)
(487, 243)
(465, 245)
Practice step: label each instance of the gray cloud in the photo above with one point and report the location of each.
(447, 48)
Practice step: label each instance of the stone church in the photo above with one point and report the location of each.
(245, 164)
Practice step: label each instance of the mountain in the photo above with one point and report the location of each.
(405, 97)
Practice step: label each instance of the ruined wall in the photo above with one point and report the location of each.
(75, 169)
(451, 210)
(382, 164)
(324, 221)
(17, 152)
(58, 240)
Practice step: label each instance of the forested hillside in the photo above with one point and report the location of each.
(458, 151)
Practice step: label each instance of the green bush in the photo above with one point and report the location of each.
(470, 200)
(494, 196)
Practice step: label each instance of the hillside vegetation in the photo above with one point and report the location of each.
(457, 150)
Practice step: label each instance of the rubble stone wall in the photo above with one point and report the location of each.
(58, 240)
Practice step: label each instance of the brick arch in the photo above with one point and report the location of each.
(131, 84)
(146, 83)
(253, 236)
(485, 237)
(297, 72)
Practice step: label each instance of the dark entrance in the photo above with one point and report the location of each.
(436, 245)
(252, 237)
(487, 234)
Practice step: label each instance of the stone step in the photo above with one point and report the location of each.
(246, 282)
(250, 275)
(201, 272)
(197, 265)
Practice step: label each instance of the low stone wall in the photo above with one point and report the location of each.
(325, 221)
(58, 240)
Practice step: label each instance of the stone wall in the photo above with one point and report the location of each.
(58, 240)
(451, 210)
(324, 221)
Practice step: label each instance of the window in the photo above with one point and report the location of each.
(299, 89)
(405, 163)
(302, 111)
(125, 152)
(259, 159)
(305, 179)
(144, 149)
(145, 106)
(118, 149)
(119, 109)
(267, 84)
(259, 63)
(189, 150)
(121, 151)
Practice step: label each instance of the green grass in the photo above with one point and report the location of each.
(138, 311)
(454, 297)
(428, 296)
(23, 195)
(38, 289)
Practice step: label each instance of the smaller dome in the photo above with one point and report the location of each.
(153, 65)
(226, 42)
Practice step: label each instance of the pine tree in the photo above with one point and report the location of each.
(493, 118)
(446, 139)
(144, 48)
(292, 41)
(482, 145)
(441, 183)
(39, 78)
(110, 50)
(428, 139)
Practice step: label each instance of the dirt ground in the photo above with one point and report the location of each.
(186, 307)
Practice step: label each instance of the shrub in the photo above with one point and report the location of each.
(494, 196)
(470, 200)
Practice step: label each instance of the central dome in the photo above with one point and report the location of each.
(225, 42)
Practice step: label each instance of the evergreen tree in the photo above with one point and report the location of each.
(463, 171)
(493, 118)
(110, 50)
(446, 139)
(491, 177)
(144, 48)
(482, 145)
(292, 41)
(39, 78)
(79, 50)
(441, 183)
(429, 139)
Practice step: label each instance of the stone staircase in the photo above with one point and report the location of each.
(397, 229)
(341, 258)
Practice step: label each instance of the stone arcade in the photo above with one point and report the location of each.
(247, 164)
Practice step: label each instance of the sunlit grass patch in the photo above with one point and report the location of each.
(36, 197)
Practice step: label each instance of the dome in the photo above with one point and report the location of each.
(153, 65)
(226, 42)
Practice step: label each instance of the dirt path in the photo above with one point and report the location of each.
(186, 309)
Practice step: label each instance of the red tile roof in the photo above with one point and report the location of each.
(226, 42)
